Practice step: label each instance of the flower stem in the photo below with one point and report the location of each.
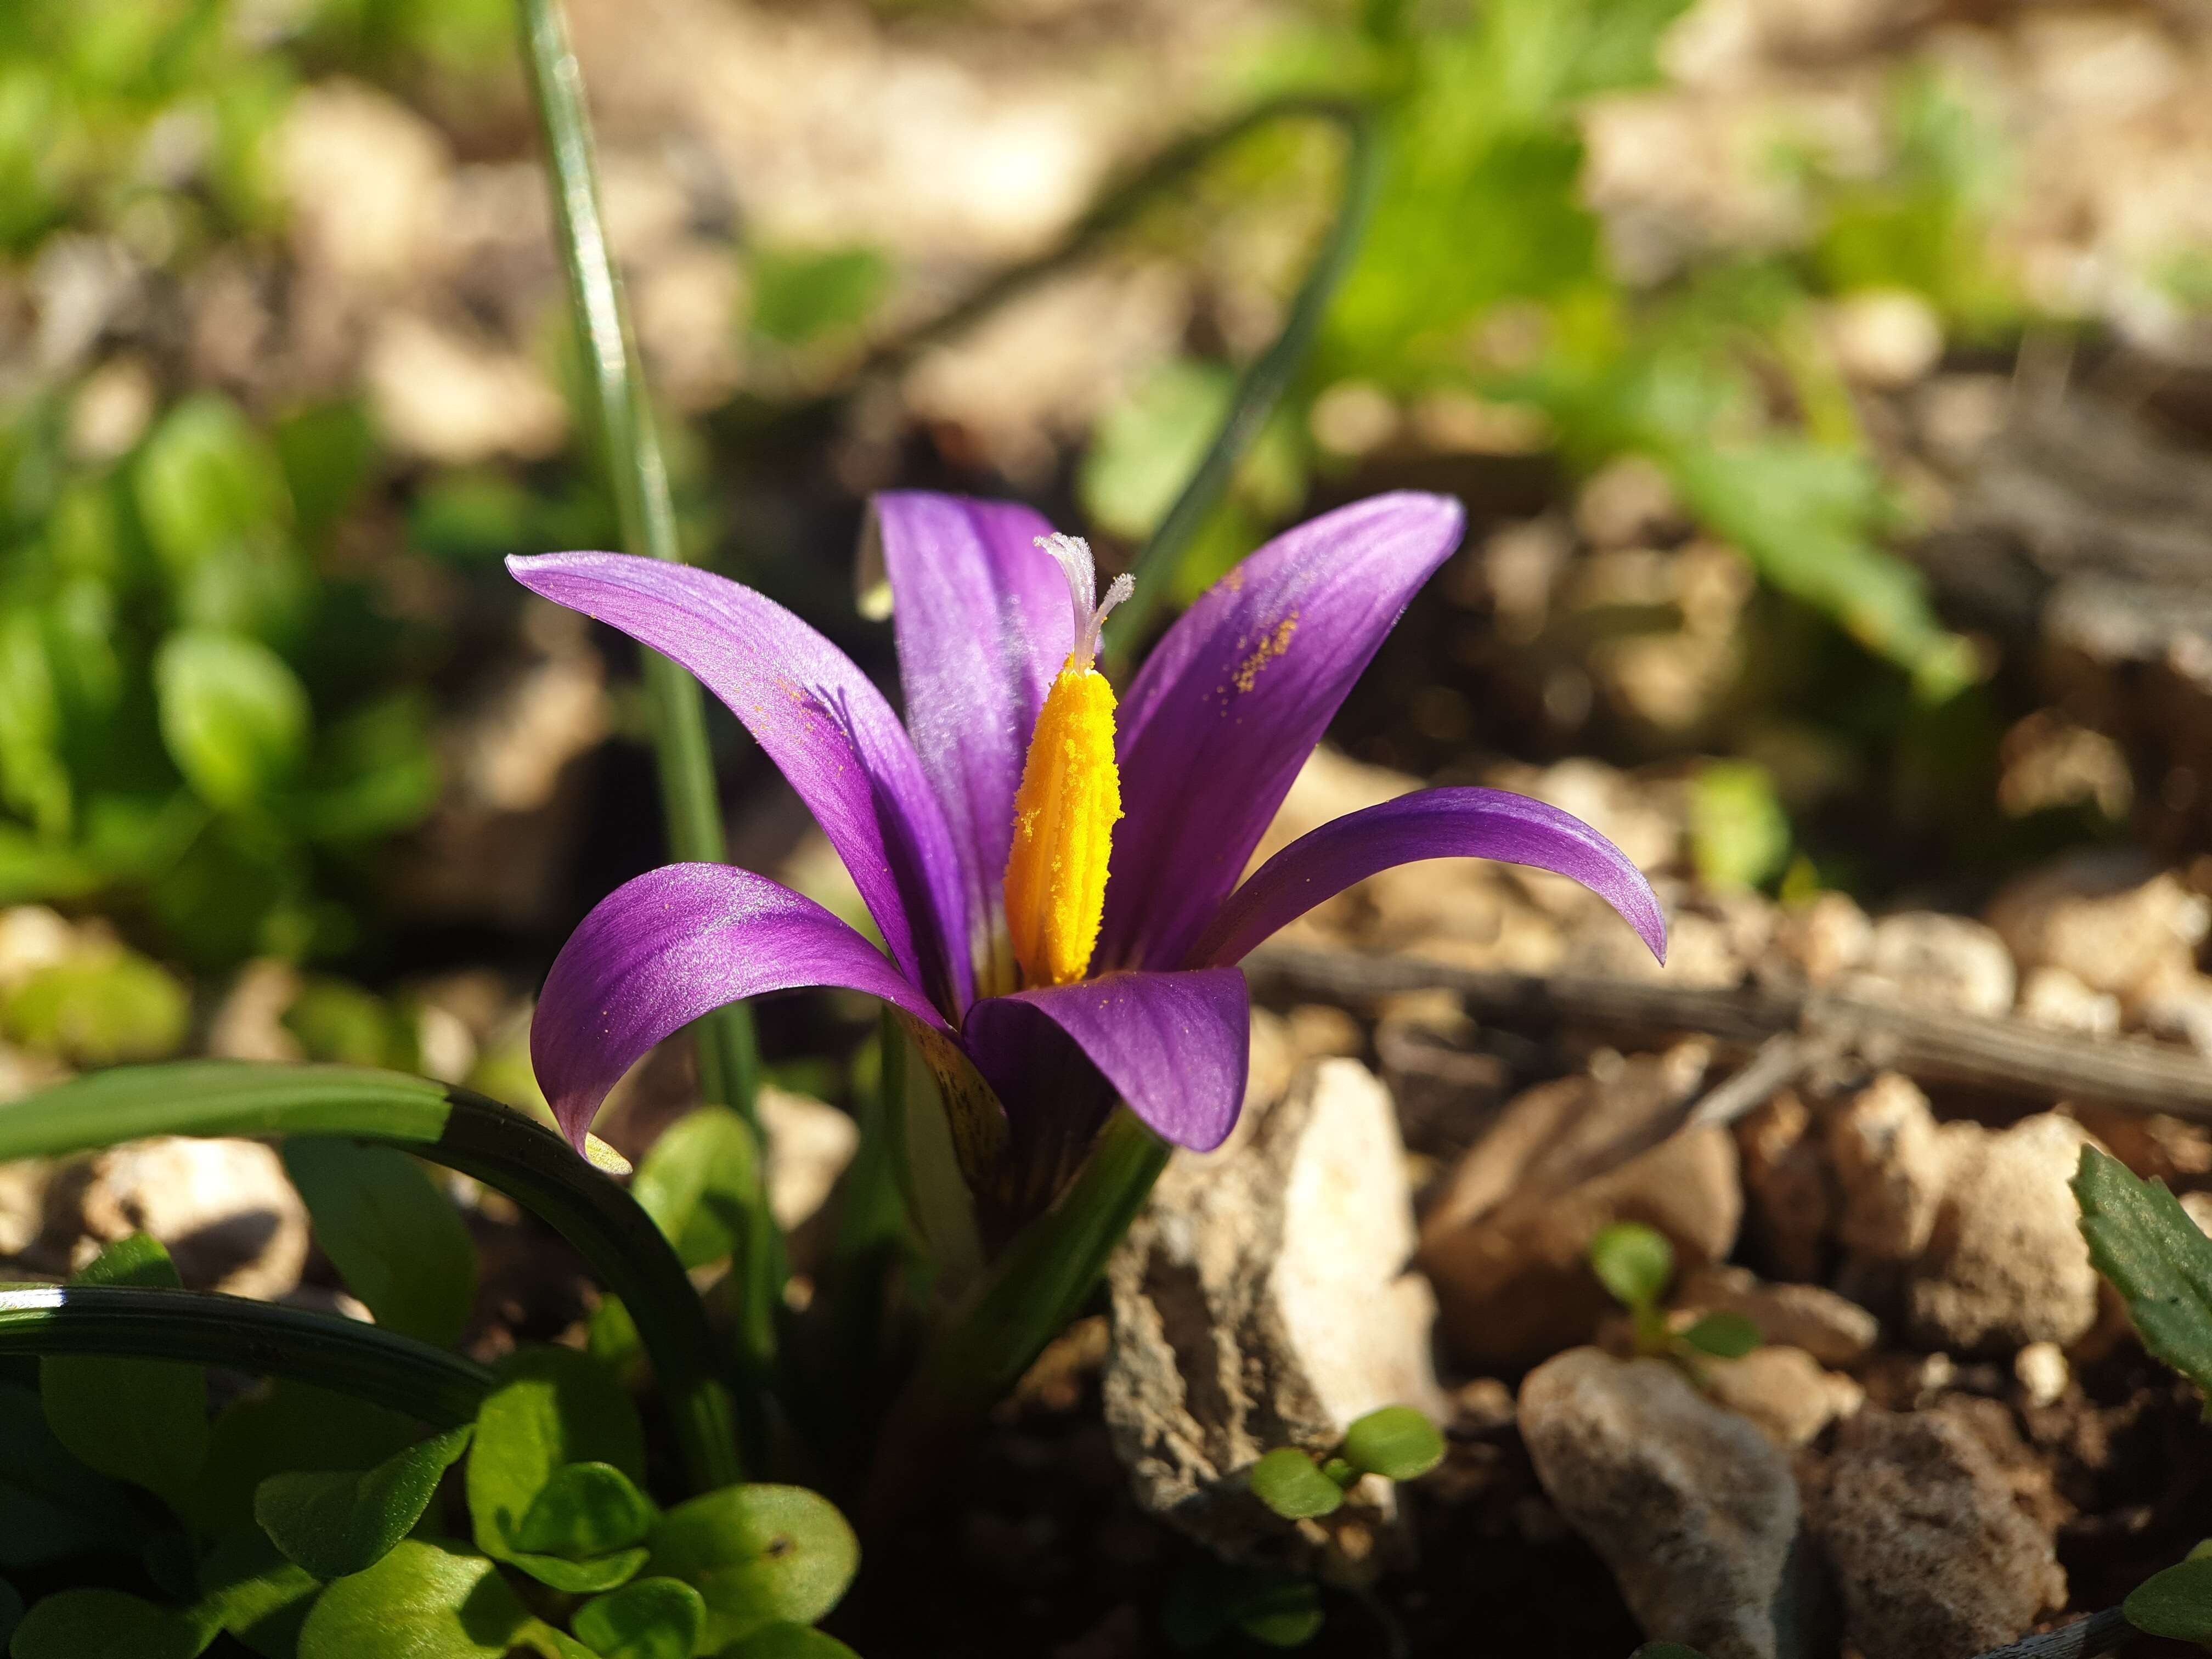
(430, 1385)
(727, 1057)
(1036, 1286)
(463, 1131)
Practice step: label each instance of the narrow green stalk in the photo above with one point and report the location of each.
(430, 1385)
(1031, 1293)
(450, 1126)
(728, 1061)
(1268, 376)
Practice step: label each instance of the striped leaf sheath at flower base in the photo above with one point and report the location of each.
(1055, 878)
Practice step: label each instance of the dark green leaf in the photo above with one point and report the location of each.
(51, 1506)
(2175, 1603)
(1208, 1600)
(1725, 1336)
(11, 1611)
(758, 1555)
(336, 1020)
(285, 1428)
(398, 1240)
(96, 1623)
(1289, 1617)
(785, 1640)
(1738, 833)
(585, 1510)
(234, 715)
(1632, 1261)
(699, 1181)
(543, 1638)
(206, 482)
(2158, 1258)
(1395, 1442)
(646, 1619)
(144, 1420)
(1287, 1482)
(334, 1523)
(423, 1601)
(255, 1594)
(553, 1406)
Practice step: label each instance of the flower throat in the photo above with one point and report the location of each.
(1070, 795)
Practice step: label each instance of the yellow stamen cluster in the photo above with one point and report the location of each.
(1069, 801)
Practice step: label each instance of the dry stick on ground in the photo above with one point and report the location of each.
(2003, 1056)
(2101, 1633)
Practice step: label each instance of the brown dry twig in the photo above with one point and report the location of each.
(2002, 1056)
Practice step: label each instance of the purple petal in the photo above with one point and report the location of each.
(658, 951)
(983, 625)
(1174, 1046)
(820, 720)
(1429, 823)
(1234, 699)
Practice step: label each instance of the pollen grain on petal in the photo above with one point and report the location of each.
(1272, 644)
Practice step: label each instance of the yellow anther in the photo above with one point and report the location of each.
(1069, 800)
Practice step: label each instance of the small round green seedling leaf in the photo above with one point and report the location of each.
(1724, 1334)
(699, 1183)
(398, 1241)
(51, 1506)
(282, 1428)
(423, 1601)
(2175, 1603)
(542, 1638)
(96, 1623)
(1395, 1442)
(144, 1420)
(1286, 1480)
(758, 1555)
(785, 1640)
(234, 716)
(646, 1619)
(1289, 1617)
(334, 1523)
(585, 1510)
(255, 1594)
(554, 1407)
(1632, 1261)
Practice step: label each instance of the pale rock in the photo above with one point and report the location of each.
(1506, 1243)
(31, 937)
(1934, 1557)
(2006, 1265)
(2041, 1370)
(1629, 502)
(1271, 1060)
(2055, 998)
(1261, 1300)
(1789, 1395)
(2177, 1005)
(1892, 1165)
(1824, 938)
(1789, 1185)
(367, 178)
(22, 1203)
(1885, 337)
(1689, 1505)
(457, 401)
(2105, 918)
(809, 1145)
(1319, 1030)
(249, 1021)
(2198, 1205)
(1928, 960)
(224, 1210)
(1833, 1329)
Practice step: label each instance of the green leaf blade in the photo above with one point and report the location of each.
(97, 1623)
(1634, 1263)
(2175, 1603)
(2158, 1258)
(335, 1523)
(423, 1601)
(397, 1240)
(553, 1406)
(1724, 1335)
(758, 1555)
(1288, 1482)
(646, 1619)
(1395, 1442)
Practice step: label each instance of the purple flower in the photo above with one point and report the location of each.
(1213, 731)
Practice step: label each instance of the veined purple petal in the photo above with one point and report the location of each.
(1429, 824)
(662, 950)
(1236, 695)
(820, 719)
(1174, 1046)
(983, 622)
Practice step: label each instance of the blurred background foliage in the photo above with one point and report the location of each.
(246, 618)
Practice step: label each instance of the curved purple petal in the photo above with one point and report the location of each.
(983, 622)
(820, 720)
(1429, 824)
(658, 951)
(1235, 697)
(1174, 1046)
